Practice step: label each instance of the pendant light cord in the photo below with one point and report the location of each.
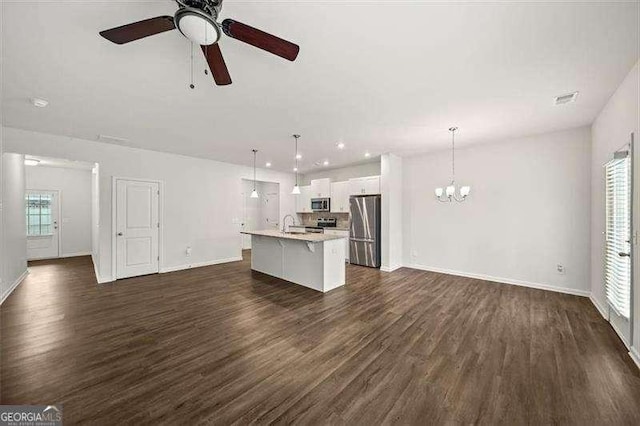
(254, 168)
(453, 154)
(296, 136)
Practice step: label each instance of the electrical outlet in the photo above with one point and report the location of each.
(188, 251)
(560, 269)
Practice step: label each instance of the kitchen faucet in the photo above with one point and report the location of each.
(284, 220)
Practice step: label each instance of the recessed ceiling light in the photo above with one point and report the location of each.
(40, 103)
(268, 165)
(340, 145)
(31, 162)
(298, 156)
(565, 99)
(295, 169)
(325, 163)
(366, 154)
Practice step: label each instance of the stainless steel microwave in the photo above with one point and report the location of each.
(320, 204)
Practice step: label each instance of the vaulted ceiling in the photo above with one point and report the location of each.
(377, 76)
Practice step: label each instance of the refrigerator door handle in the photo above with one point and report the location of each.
(362, 240)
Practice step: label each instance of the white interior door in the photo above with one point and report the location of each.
(272, 210)
(137, 228)
(42, 209)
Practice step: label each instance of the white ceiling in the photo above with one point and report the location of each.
(379, 76)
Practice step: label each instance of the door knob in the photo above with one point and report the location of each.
(623, 254)
(119, 234)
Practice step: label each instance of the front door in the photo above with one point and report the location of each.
(42, 224)
(137, 228)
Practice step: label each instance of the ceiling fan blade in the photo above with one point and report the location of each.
(137, 30)
(260, 39)
(218, 68)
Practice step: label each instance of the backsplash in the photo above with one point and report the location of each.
(311, 219)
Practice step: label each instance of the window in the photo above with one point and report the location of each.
(617, 269)
(39, 214)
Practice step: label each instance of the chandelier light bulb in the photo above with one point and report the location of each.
(465, 190)
(451, 190)
(439, 192)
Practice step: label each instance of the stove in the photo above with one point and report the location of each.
(327, 223)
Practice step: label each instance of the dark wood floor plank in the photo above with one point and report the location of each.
(223, 345)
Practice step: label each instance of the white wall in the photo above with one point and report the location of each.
(74, 186)
(343, 173)
(392, 200)
(95, 216)
(202, 198)
(528, 211)
(14, 250)
(610, 131)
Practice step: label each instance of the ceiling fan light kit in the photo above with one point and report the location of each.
(197, 21)
(197, 26)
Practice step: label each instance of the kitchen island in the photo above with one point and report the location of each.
(313, 260)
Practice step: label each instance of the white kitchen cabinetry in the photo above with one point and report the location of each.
(340, 197)
(344, 234)
(364, 186)
(303, 200)
(320, 188)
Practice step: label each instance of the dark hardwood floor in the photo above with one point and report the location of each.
(221, 344)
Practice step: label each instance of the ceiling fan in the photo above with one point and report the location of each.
(196, 20)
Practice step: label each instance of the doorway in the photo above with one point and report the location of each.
(262, 212)
(58, 207)
(136, 228)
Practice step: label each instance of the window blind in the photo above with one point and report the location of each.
(618, 235)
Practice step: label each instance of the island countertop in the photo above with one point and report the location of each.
(309, 237)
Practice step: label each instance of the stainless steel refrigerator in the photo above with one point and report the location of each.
(364, 238)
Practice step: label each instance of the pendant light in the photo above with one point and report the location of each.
(450, 191)
(254, 193)
(296, 188)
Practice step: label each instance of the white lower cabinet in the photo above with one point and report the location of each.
(344, 234)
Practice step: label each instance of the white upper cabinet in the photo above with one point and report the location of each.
(303, 200)
(320, 188)
(364, 185)
(340, 197)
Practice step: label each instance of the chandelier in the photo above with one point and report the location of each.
(451, 193)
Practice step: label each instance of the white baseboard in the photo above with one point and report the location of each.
(604, 312)
(390, 268)
(80, 253)
(199, 264)
(635, 356)
(502, 280)
(13, 286)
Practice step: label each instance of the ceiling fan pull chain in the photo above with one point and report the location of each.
(191, 85)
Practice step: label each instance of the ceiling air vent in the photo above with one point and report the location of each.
(565, 99)
(113, 139)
